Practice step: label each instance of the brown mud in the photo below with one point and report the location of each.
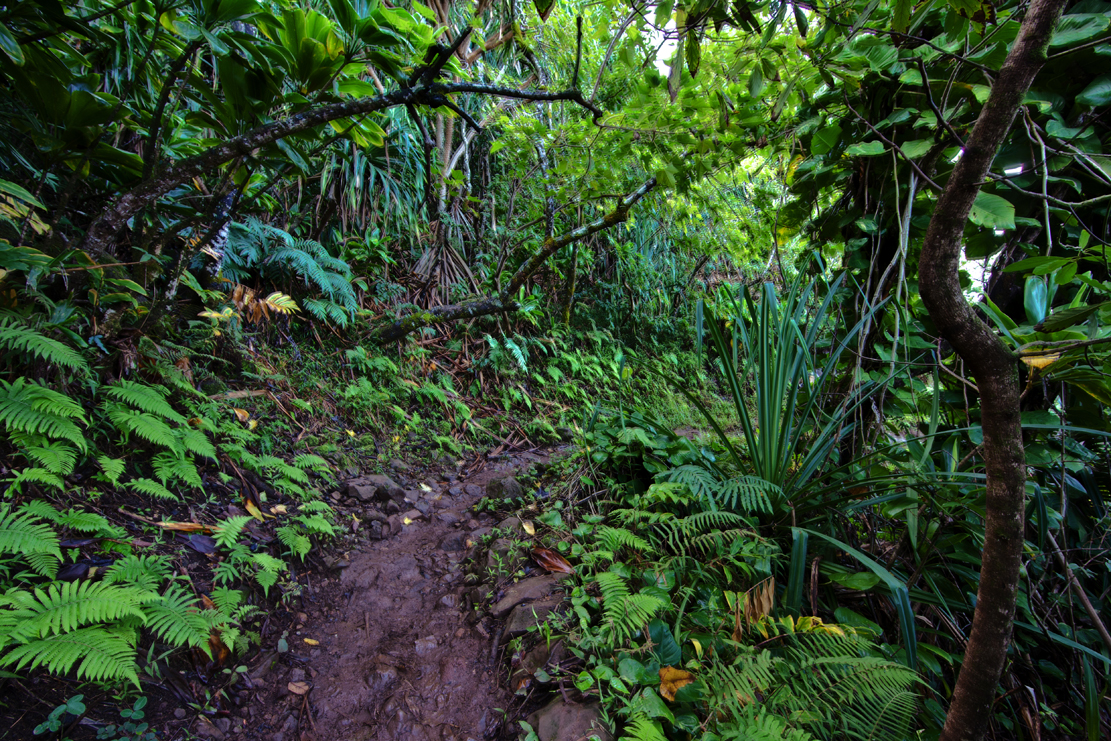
(399, 657)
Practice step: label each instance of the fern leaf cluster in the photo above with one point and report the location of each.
(19, 341)
(626, 614)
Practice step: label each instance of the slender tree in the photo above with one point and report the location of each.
(996, 373)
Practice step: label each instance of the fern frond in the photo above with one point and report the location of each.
(228, 531)
(104, 654)
(145, 573)
(37, 475)
(296, 541)
(196, 441)
(626, 614)
(112, 468)
(226, 600)
(314, 462)
(176, 618)
(22, 534)
(614, 539)
(169, 466)
(26, 407)
(68, 606)
(17, 337)
(150, 399)
(640, 728)
(152, 489)
(148, 426)
(55, 456)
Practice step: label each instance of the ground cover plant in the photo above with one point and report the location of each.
(818, 291)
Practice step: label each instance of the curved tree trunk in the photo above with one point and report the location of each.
(993, 365)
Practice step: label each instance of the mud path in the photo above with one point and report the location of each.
(397, 657)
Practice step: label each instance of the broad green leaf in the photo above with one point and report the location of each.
(1035, 298)
(824, 140)
(992, 212)
(865, 149)
(10, 46)
(694, 53)
(756, 82)
(1066, 318)
(1078, 28)
(917, 148)
(1097, 93)
(900, 21)
(860, 581)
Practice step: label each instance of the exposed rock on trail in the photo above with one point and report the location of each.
(399, 658)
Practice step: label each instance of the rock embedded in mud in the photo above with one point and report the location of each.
(425, 646)
(563, 721)
(504, 555)
(472, 490)
(205, 728)
(453, 542)
(506, 487)
(413, 515)
(528, 615)
(512, 524)
(398, 465)
(526, 590)
(376, 531)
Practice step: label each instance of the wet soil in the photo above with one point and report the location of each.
(399, 655)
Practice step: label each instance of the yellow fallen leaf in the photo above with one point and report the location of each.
(298, 688)
(252, 424)
(278, 509)
(253, 510)
(529, 527)
(672, 680)
(242, 415)
(425, 487)
(406, 521)
(312, 641)
(350, 433)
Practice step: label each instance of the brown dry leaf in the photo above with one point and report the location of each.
(760, 600)
(299, 688)
(207, 602)
(185, 527)
(529, 527)
(672, 679)
(220, 652)
(552, 561)
(242, 415)
(278, 509)
(312, 641)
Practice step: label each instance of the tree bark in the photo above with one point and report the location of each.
(105, 228)
(994, 367)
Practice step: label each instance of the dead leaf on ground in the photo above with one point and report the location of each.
(253, 510)
(552, 561)
(242, 415)
(185, 527)
(672, 680)
(278, 509)
(298, 688)
(220, 652)
(312, 641)
(529, 527)
(200, 543)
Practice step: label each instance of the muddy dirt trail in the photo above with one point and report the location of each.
(397, 659)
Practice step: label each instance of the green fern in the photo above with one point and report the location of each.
(62, 608)
(26, 407)
(142, 572)
(169, 466)
(640, 728)
(744, 493)
(176, 619)
(823, 683)
(57, 457)
(150, 399)
(23, 534)
(19, 339)
(196, 441)
(228, 531)
(36, 475)
(295, 540)
(152, 489)
(111, 467)
(626, 614)
(105, 654)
